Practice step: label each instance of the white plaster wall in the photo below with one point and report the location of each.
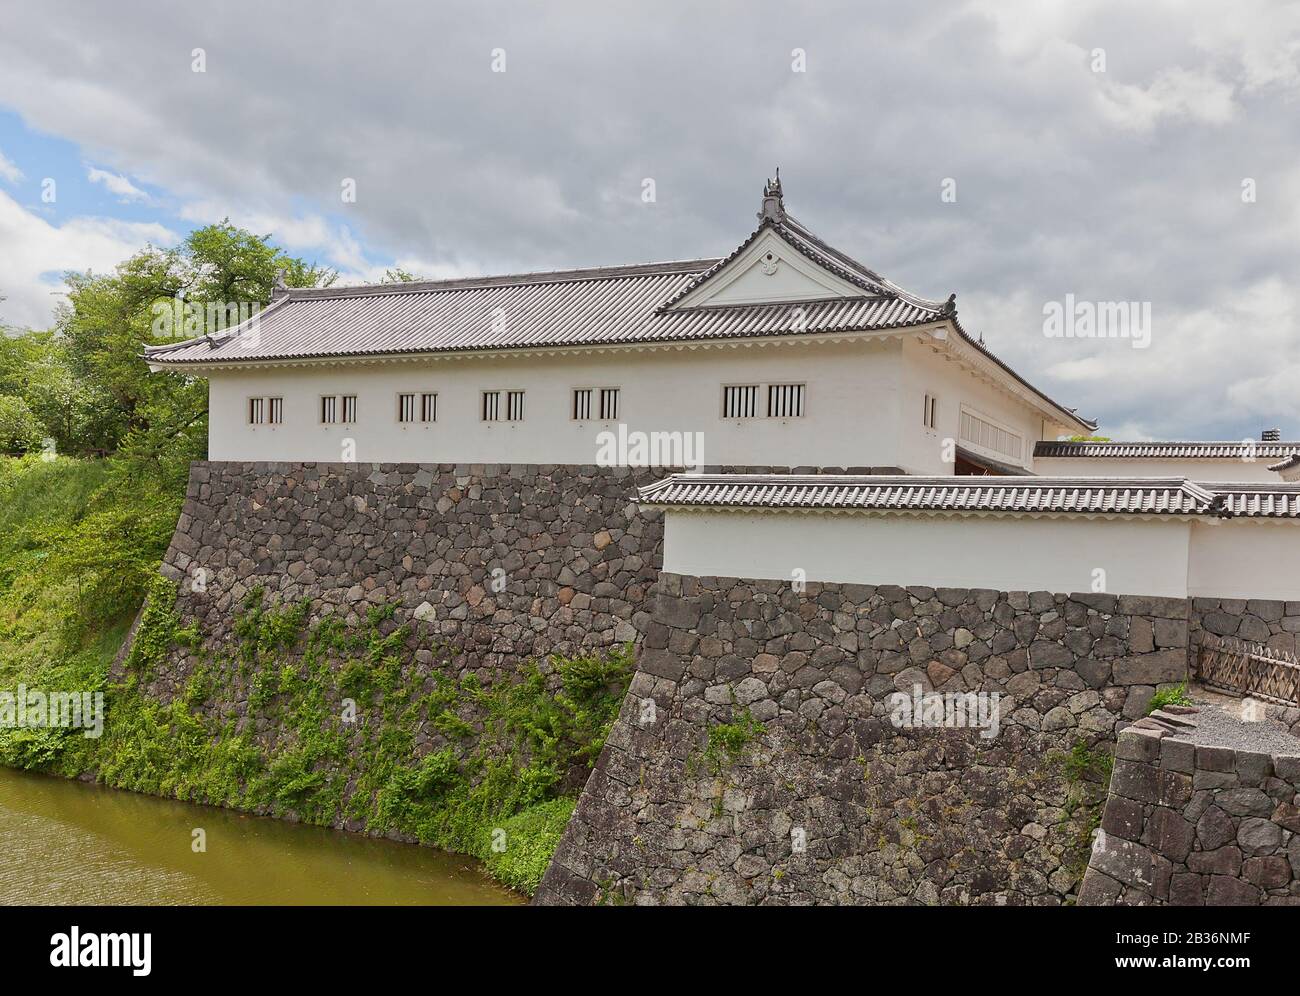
(1196, 470)
(1244, 558)
(851, 408)
(926, 372)
(1142, 557)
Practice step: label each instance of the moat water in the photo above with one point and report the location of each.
(63, 841)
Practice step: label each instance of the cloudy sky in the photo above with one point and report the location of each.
(1114, 152)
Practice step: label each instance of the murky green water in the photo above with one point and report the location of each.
(67, 842)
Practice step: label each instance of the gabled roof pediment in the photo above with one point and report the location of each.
(782, 261)
(766, 269)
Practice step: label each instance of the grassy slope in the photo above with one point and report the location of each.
(45, 637)
(79, 546)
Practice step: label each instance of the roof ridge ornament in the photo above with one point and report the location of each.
(773, 201)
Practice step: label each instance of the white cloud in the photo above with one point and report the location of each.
(1122, 185)
(34, 254)
(116, 184)
(8, 171)
(1233, 362)
(316, 239)
(1082, 369)
(1259, 41)
(308, 235)
(289, 231)
(1175, 94)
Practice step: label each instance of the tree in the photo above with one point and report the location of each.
(108, 320)
(398, 275)
(20, 431)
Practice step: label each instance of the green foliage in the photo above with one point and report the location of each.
(20, 431)
(1086, 772)
(408, 790)
(444, 759)
(512, 754)
(528, 840)
(1083, 763)
(727, 742)
(79, 542)
(532, 743)
(1177, 695)
(85, 382)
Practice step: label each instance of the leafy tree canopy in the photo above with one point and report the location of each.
(85, 381)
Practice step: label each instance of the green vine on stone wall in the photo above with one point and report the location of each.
(726, 744)
(354, 733)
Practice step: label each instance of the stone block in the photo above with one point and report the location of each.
(1257, 836)
(1271, 872)
(1216, 759)
(1127, 863)
(1160, 667)
(1136, 781)
(1122, 818)
(1177, 755)
(1287, 816)
(1225, 891)
(663, 664)
(1224, 860)
(1137, 744)
(1287, 768)
(1215, 828)
(1244, 802)
(1186, 889)
(1253, 767)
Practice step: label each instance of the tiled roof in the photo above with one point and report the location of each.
(1263, 501)
(1222, 450)
(1175, 496)
(576, 308)
(603, 306)
(1287, 464)
(1025, 495)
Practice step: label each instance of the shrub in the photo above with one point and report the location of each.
(526, 842)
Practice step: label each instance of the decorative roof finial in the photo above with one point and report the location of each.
(773, 202)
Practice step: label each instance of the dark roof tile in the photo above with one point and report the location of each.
(1022, 495)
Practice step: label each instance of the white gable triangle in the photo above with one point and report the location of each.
(768, 271)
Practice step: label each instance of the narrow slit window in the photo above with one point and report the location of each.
(329, 409)
(785, 400)
(491, 406)
(740, 401)
(930, 414)
(406, 408)
(582, 404)
(429, 407)
(349, 408)
(255, 411)
(275, 410)
(609, 404)
(514, 406)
